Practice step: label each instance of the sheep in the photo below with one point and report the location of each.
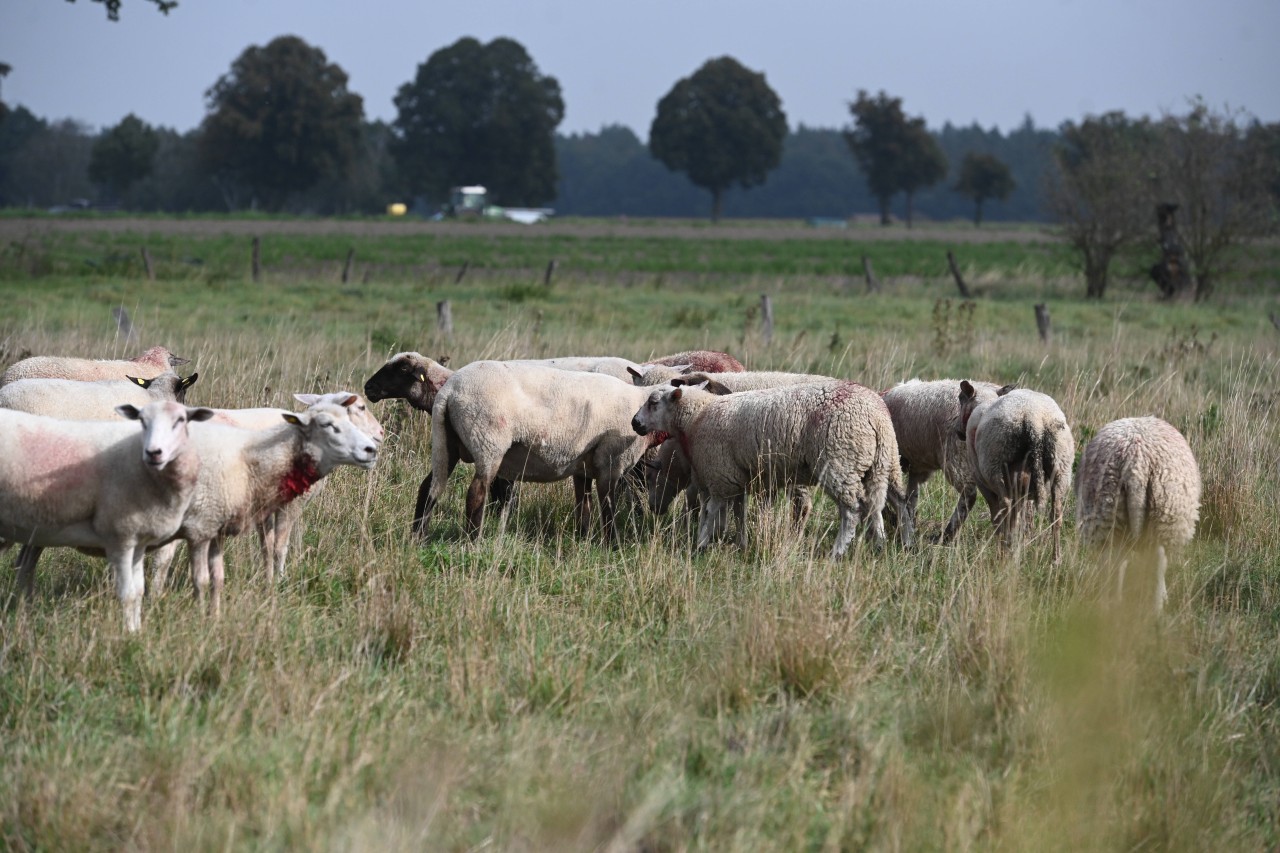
(248, 474)
(709, 361)
(668, 471)
(106, 487)
(1139, 488)
(724, 383)
(1020, 450)
(835, 434)
(535, 423)
(74, 400)
(151, 363)
(926, 419)
(275, 528)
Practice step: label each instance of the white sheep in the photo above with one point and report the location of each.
(926, 419)
(75, 400)
(1139, 490)
(533, 423)
(151, 363)
(1021, 451)
(667, 469)
(247, 475)
(837, 435)
(105, 487)
(710, 361)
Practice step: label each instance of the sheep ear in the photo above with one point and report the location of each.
(128, 411)
(291, 418)
(145, 383)
(677, 382)
(715, 387)
(677, 394)
(635, 374)
(966, 391)
(175, 360)
(200, 414)
(443, 361)
(683, 368)
(189, 381)
(350, 400)
(307, 399)
(1006, 389)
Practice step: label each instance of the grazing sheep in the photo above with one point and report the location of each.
(702, 360)
(1139, 489)
(535, 423)
(74, 400)
(835, 434)
(1021, 450)
(926, 419)
(105, 487)
(723, 383)
(246, 475)
(668, 471)
(151, 363)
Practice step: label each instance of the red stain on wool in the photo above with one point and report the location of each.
(656, 438)
(838, 396)
(301, 477)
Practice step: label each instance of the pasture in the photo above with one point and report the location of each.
(533, 691)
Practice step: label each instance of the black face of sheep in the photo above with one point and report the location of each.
(402, 378)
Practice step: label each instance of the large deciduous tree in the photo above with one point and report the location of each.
(1100, 191)
(1221, 182)
(722, 126)
(878, 140)
(279, 121)
(923, 164)
(479, 114)
(123, 155)
(983, 177)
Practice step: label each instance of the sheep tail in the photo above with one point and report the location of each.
(439, 446)
(1135, 487)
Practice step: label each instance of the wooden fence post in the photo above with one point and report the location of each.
(146, 263)
(1042, 322)
(257, 259)
(124, 326)
(873, 286)
(551, 268)
(461, 272)
(444, 318)
(346, 268)
(955, 272)
(766, 317)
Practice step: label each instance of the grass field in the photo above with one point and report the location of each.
(532, 691)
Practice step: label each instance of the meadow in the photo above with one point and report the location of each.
(533, 691)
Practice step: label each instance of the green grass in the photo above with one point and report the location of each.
(534, 691)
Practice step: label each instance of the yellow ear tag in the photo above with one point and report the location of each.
(422, 377)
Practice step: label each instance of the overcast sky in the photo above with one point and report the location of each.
(989, 61)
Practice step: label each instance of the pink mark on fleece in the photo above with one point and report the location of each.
(301, 477)
(52, 464)
(839, 395)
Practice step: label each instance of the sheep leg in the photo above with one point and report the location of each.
(199, 553)
(906, 515)
(477, 497)
(740, 518)
(582, 504)
(709, 516)
(607, 492)
(426, 501)
(849, 520)
(286, 518)
(28, 556)
(1162, 563)
(161, 562)
(129, 586)
(801, 506)
(267, 540)
(964, 505)
(215, 577)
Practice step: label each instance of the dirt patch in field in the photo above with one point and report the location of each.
(16, 228)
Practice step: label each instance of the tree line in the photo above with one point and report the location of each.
(282, 132)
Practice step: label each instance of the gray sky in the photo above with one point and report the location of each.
(989, 61)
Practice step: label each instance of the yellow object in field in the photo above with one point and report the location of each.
(397, 209)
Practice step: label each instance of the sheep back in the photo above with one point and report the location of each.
(1138, 484)
(149, 364)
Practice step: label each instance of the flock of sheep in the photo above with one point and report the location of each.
(75, 472)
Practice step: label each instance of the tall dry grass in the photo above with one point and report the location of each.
(533, 691)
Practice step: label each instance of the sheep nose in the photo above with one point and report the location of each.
(153, 455)
(640, 428)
